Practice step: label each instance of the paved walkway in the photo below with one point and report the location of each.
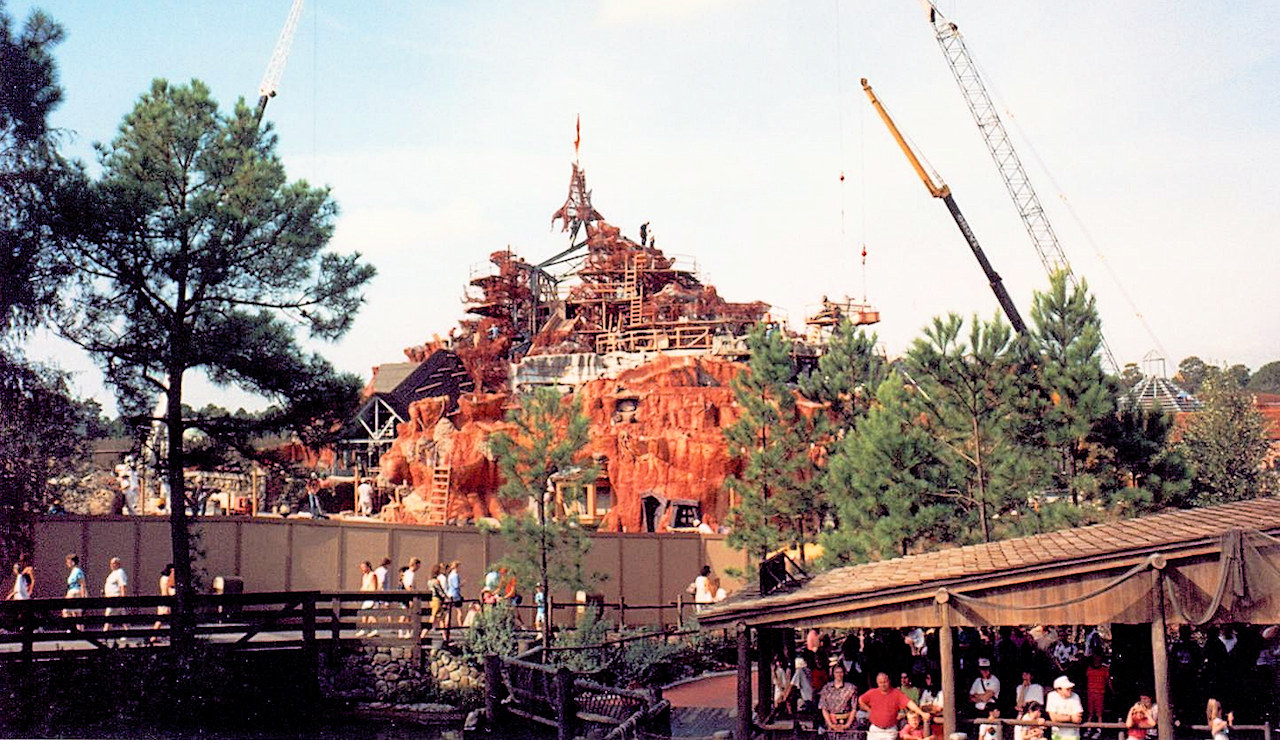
(704, 706)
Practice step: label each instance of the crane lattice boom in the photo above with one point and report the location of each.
(275, 68)
(1003, 154)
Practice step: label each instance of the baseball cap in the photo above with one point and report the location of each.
(984, 663)
(1062, 682)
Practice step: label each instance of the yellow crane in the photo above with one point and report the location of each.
(942, 191)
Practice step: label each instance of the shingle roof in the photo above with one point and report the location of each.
(389, 375)
(1157, 531)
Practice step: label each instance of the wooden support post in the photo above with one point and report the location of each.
(492, 688)
(26, 683)
(1160, 651)
(766, 640)
(946, 645)
(566, 712)
(415, 626)
(335, 626)
(310, 650)
(622, 611)
(743, 727)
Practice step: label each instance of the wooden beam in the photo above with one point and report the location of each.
(1160, 651)
(946, 646)
(743, 729)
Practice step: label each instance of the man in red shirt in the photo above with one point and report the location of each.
(883, 704)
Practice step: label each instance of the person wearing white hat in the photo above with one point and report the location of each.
(1063, 705)
(985, 689)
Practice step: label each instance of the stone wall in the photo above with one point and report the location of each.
(379, 673)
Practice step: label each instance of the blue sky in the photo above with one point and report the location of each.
(446, 133)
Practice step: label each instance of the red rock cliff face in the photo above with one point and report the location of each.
(660, 426)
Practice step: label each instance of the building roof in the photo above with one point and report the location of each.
(389, 375)
(1154, 392)
(1099, 543)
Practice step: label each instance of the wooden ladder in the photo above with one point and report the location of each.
(439, 499)
(635, 290)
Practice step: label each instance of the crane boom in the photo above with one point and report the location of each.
(275, 68)
(944, 192)
(1004, 155)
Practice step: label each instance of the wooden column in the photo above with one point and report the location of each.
(946, 645)
(1160, 651)
(766, 642)
(566, 709)
(743, 727)
(492, 688)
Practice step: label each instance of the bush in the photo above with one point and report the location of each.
(494, 631)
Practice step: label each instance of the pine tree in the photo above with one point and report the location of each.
(1072, 393)
(888, 484)
(847, 376)
(550, 434)
(1147, 473)
(776, 498)
(968, 402)
(204, 257)
(1226, 444)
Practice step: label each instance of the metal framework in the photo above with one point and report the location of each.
(275, 68)
(1005, 157)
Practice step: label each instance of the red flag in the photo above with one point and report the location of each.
(577, 139)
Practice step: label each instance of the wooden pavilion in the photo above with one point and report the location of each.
(1212, 565)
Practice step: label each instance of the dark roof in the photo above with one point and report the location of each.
(399, 384)
(1107, 541)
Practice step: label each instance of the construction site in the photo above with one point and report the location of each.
(635, 335)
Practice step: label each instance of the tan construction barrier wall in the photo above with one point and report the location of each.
(272, 554)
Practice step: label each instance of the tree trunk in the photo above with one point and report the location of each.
(179, 532)
(546, 585)
(982, 488)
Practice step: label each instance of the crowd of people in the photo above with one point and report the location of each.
(443, 587)
(886, 682)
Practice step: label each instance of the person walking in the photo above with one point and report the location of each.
(454, 591)
(77, 588)
(368, 582)
(383, 573)
(410, 575)
(364, 494)
(166, 587)
(21, 588)
(116, 585)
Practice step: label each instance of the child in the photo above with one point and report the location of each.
(1097, 682)
(990, 730)
(1138, 721)
(914, 729)
(1219, 726)
(1033, 711)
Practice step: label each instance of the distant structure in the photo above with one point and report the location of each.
(1155, 392)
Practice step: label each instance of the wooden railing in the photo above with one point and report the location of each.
(557, 697)
(278, 620)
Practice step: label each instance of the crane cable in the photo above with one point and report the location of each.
(862, 169)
